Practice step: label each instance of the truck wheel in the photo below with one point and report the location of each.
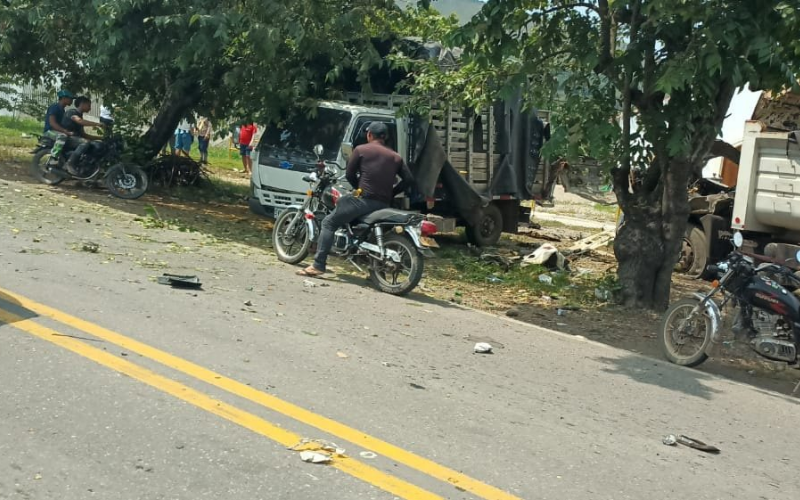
(490, 226)
(694, 254)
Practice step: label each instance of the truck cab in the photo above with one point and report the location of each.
(285, 153)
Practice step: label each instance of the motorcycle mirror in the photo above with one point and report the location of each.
(797, 257)
(347, 150)
(313, 177)
(738, 239)
(318, 150)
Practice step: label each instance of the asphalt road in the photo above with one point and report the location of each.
(116, 387)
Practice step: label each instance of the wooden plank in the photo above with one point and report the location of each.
(490, 156)
(470, 147)
(448, 138)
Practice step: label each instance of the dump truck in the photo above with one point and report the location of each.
(471, 168)
(760, 196)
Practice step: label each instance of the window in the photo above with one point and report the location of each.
(360, 131)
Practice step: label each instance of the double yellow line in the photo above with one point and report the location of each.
(355, 468)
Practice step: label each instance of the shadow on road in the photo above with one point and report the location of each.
(10, 306)
(645, 371)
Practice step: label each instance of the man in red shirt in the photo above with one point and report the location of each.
(246, 133)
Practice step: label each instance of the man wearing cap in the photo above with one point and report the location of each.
(52, 124)
(372, 170)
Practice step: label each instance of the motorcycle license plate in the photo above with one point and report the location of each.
(428, 242)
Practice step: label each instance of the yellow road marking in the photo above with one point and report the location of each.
(342, 431)
(357, 469)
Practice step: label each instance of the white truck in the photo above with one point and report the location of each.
(764, 203)
(471, 169)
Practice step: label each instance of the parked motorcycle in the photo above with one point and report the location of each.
(391, 243)
(101, 160)
(767, 313)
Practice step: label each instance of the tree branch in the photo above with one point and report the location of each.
(726, 150)
(566, 7)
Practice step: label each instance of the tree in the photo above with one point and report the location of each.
(642, 85)
(245, 58)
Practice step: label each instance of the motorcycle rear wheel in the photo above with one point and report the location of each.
(385, 275)
(291, 248)
(39, 170)
(126, 181)
(676, 330)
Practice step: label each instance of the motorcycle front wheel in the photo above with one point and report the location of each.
(290, 237)
(684, 338)
(39, 170)
(398, 278)
(126, 181)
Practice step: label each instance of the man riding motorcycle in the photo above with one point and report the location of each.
(52, 124)
(79, 140)
(372, 170)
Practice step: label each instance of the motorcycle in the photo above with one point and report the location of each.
(102, 159)
(767, 313)
(391, 243)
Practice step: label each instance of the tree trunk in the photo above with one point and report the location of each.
(648, 243)
(181, 97)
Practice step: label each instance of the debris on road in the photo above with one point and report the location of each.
(90, 247)
(368, 454)
(317, 451)
(314, 457)
(248, 303)
(672, 440)
(180, 281)
(342, 355)
(311, 284)
(483, 348)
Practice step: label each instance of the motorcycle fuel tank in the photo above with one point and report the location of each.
(766, 294)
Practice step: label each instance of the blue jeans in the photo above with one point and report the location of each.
(347, 210)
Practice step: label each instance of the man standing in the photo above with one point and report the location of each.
(246, 133)
(78, 139)
(52, 124)
(203, 138)
(184, 138)
(372, 170)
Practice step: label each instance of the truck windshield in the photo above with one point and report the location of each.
(301, 133)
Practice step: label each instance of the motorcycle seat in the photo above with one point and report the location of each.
(390, 215)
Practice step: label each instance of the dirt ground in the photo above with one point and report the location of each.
(229, 219)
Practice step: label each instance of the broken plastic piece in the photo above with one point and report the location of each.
(314, 457)
(179, 281)
(483, 348)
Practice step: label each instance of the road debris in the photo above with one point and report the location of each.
(317, 451)
(368, 455)
(311, 284)
(314, 457)
(672, 440)
(248, 303)
(90, 247)
(483, 348)
(180, 281)
(342, 355)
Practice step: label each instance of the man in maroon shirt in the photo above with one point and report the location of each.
(372, 170)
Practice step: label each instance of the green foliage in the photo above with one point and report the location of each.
(244, 59)
(678, 62)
